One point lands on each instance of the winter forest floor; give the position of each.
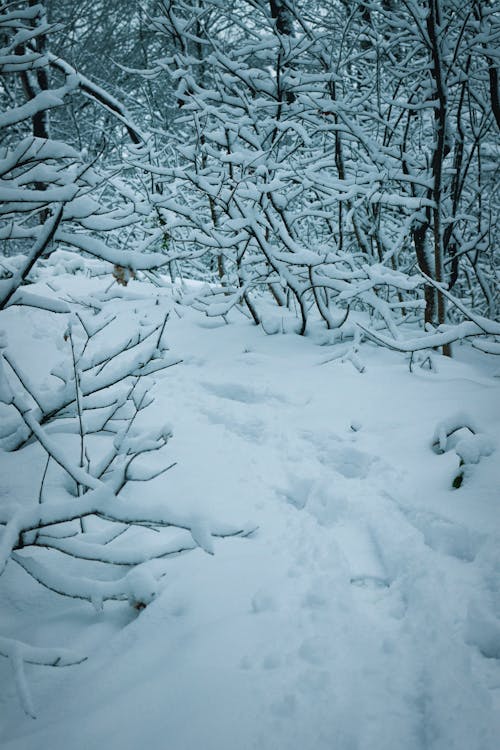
(362, 614)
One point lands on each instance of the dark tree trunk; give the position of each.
(283, 16)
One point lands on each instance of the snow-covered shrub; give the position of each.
(104, 445)
(461, 434)
(51, 194)
(285, 178)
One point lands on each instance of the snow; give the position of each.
(17, 663)
(362, 613)
(142, 587)
(471, 448)
(6, 395)
(22, 297)
(453, 423)
(39, 103)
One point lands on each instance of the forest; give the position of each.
(249, 339)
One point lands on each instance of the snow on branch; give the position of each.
(20, 653)
(50, 657)
(426, 340)
(92, 515)
(49, 193)
(461, 433)
(287, 178)
(101, 96)
(473, 326)
(41, 102)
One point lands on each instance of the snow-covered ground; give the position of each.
(363, 614)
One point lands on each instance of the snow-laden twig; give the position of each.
(49, 656)
(7, 290)
(426, 340)
(133, 554)
(20, 653)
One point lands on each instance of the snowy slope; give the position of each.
(364, 613)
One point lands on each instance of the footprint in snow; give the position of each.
(324, 500)
(252, 430)
(483, 629)
(240, 393)
(483, 615)
(346, 460)
(271, 661)
(447, 537)
(353, 537)
(360, 551)
(314, 651)
(285, 706)
(314, 600)
(262, 601)
(298, 492)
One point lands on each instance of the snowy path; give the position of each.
(365, 612)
